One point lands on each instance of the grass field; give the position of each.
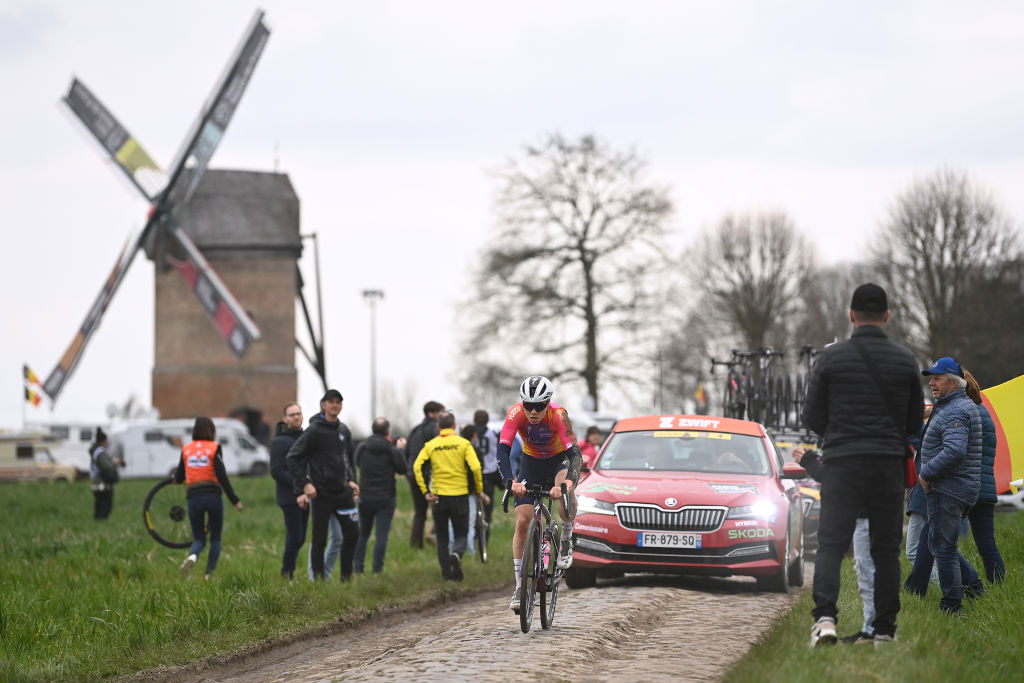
(982, 645)
(82, 600)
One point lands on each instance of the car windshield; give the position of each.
(682, 451)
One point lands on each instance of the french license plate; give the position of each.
(668, 540)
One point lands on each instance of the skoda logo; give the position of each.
(670, 502)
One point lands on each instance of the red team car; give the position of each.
(690, 494)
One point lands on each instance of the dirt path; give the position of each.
(635, 628)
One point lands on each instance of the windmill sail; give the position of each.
(58, 376)
(208, 129)
(124, 149)
(233, 324)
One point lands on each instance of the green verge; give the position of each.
(984, 644)
(84, 600)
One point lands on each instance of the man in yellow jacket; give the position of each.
(448, 490)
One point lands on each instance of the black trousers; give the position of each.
(103, 503)
(454, 509)
(852, 487)
(419, 514)
(323, 508)
(296, 521)
(491, 481)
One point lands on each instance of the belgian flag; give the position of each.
(33, 397)
(30, 377)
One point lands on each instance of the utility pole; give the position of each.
(372, 296)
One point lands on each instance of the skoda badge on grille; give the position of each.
(670, 502)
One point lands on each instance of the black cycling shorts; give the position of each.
(536, 471)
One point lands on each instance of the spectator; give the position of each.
(950, 475)
(418, 437)
(589, 444)
(864, 397)
(320, 469)
(917, 503)
(103, 475)
(296, 510)
(448, 455)
(468, 432)
(487, 451)
(378, 461)
(201, 467)
(863, 565)
(981, 514)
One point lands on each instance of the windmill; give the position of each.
(168, 193)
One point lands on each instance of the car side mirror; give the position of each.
(792, 470)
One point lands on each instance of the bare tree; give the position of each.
(572, 274)
(751, 270)
(943, 237)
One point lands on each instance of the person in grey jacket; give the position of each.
(378, 461)
(863, 452)
(950, 472)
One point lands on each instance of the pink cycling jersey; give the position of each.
(546, 439)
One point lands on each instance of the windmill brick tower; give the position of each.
(246, 224)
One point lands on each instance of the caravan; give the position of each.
(152, 449)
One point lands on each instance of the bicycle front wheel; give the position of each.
(482, 531)
(530, 570)
(165, 514)
(551, 580)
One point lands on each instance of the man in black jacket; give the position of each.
(318, 462)
(418, 437)
(378, 461)
(296, 516)
(864, 397)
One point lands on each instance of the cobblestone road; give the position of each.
(634, 628)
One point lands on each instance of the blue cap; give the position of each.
(943, 366)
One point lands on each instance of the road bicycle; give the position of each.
(765, 405)
(739, 379)
(165, 514)
(539, 570)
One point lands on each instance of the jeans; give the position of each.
(984, 533)
(925, 568)
(379, 512)
(296, 520)
(864, 566)
(419, 514)
(206, 514)
(852, 487)
(945, 515)
(914, 528)
(344, 534)
(456, 510)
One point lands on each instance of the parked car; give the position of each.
(152, 448)
(26, 457)
(810, 490)
(690, 494)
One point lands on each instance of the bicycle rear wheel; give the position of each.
(551, 580)
(531, 570)
(483, 530)
(165, 514)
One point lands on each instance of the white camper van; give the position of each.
(152, 449)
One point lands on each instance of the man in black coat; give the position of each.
(378, 461)
(296, 516)
(319, 465)
(418, 437)
(864, 397)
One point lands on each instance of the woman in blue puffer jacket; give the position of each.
(981, 514)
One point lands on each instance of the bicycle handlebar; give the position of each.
(537, 490)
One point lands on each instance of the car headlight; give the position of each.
(593, 506)
(762, 509)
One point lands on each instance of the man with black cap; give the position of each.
(864, 398)
(950, 473)
(320, 469)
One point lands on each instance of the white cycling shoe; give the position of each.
(565, 554)
(516, 599)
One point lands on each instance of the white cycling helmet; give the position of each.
(536, 389)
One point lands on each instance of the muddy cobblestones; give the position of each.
(635, 628)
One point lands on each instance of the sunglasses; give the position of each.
(534, 407)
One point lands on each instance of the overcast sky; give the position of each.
(388, 115)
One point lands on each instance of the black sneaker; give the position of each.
(455, 567)
(858, 638)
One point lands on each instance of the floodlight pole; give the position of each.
(372, 296)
